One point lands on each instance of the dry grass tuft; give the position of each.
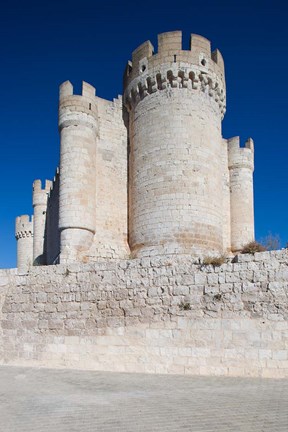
(216, 261)
(253, 247)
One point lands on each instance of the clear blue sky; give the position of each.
(46, 43)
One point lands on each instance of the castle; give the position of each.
(148, 173)
(147, 190)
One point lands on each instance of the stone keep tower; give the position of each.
(190, 191)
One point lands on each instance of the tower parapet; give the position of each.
(176, 101)
(241, 167)
(240, 157)
(78, 126)
(24, 237)
(40, 197)
(197, 69)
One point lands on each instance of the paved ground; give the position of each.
(65, 400)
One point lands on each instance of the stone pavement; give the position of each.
(46, 400)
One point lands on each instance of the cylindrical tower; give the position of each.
(241, 167)
(40, 197)
(78, 130)
(24, 237)
(176, 102)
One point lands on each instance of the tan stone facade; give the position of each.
(147, 174)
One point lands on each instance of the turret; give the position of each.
(175, 101)
(78, 126)
(39, 220)
(24, 237)
(241, 167)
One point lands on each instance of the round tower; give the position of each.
(176, 102)
(24, 237)
(40, 197)
(241, 167)
(78, 127)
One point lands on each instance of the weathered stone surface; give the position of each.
(160, 304)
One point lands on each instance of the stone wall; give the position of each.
(110, 239)
(164, 314)
(52, 235)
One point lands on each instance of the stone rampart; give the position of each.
(164, 314)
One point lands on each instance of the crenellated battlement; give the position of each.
(56, 177)
(37, 186)
(77, 108)
(169, 46)
(240, 157)
(66, 89)
(40, 195)
(23, 227)
(198, 69)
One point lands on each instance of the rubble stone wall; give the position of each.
(163, 314)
